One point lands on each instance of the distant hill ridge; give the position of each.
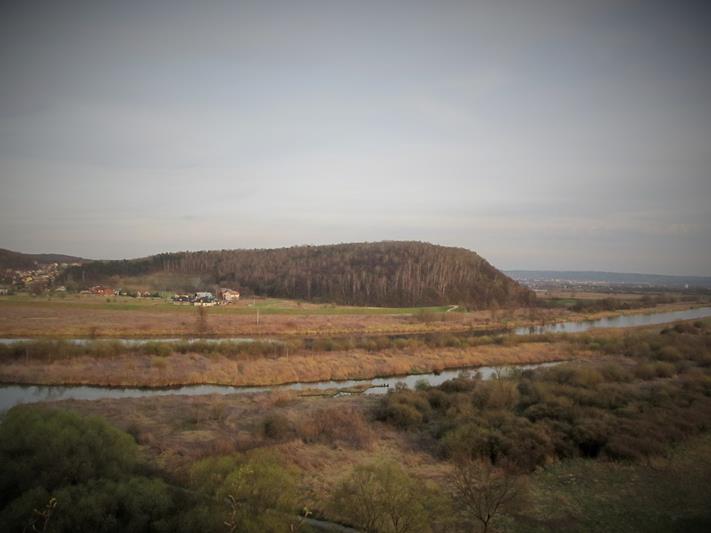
(389, 273)
(10, 259)
(660, 280)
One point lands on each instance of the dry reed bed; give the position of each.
(192, 369)
(36, 321)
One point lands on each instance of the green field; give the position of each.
(269, 306)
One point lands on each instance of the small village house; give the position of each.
(229, 295)
(102, 291)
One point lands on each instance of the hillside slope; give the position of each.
(10, 259)
(387, 273)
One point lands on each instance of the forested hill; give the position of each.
(378, 274)
(10, 259)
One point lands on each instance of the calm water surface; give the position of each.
(13, 394)
(623, 321)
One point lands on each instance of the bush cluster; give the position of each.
(62, 472)
(656, 396)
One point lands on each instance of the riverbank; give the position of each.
(196, 369)
(270, 363)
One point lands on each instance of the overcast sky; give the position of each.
(542, 134)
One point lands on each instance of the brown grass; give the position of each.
(336, 425)
(25, 320)
(191, 369)
(175, 431)
(87, 316)
(59, 319)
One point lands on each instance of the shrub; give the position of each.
(616, 373)
(502, 394)
(87, 468)
(253, 492)
(382, 497)
(422, 385)
(406, 408)
(581, 377)
(276, 426)
(645, 371)
(437, 399)
(614, 410)
(403, 415)
(591, 435)
(664, 370)
(48, 448)
(669, 353)
(336, 425)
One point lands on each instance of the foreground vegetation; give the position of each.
(632, 409)
(62, 472)
(618, 443)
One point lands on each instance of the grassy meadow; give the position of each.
(89, 316)
(248, 306)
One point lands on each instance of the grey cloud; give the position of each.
(548, 134)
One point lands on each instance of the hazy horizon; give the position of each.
(544, 135)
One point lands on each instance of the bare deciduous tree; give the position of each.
(483, 491)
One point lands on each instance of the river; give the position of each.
(14, 394)
(621, 321)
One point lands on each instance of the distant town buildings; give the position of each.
(39, 277)
(207, 299)
(42, 278)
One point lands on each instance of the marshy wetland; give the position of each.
(498, 400)
(41, 352)
(622, 426)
